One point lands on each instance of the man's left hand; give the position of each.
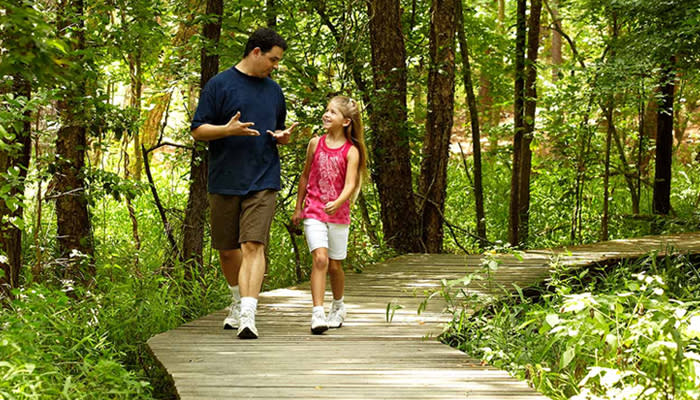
(283, 136)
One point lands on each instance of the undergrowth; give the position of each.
(624, 331)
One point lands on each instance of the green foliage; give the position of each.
(33, 50)
(53, 346)
(65, 343)
(552, 202)
(625, 331)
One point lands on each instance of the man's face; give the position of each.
(265, 63)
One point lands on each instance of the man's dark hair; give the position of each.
(266, 39)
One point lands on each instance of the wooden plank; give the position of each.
(370, 358)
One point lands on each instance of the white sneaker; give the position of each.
(246, 328)
(318, 322)
(234, 316)
(336, 316)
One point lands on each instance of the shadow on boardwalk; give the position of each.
(368, 358)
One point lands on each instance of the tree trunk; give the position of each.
(391, 155)
(664, 143)
(197, 204)
(136, 86)
(556, 41)
(135, 92)
(641, 145)
(436, 145)
(37, 268)
(533, 43)
(627, 174)
(606, 176)
(488, 111)
(518, 125)
(476, 134)
(18, 161)
(72, 216)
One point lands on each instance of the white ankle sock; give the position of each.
(249, 303)
(318, 309)
(339, 302)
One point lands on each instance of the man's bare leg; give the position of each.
(252, 269)
(231, 265)
(250, 280)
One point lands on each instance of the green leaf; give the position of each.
(552, 319)
(567, 357)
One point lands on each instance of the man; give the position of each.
(241, 113)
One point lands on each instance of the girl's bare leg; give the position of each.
(337, 275)
(319, 270)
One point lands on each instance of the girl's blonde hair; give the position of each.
(355, 133)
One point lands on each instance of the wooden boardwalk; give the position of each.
(368, 358)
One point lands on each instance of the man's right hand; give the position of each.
(234, 127)
(237, 128)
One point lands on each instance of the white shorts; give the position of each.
(333, 237)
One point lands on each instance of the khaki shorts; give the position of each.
(239, 219)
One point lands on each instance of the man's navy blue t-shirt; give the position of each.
(239, 165)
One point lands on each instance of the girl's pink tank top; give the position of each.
(326, 182)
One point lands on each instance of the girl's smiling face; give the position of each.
(333, 118)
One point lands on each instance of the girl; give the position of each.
(335, 164)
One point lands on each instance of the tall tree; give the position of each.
(664, 142)
(197, 205)
(391, 155)
(436, 145)
(518, 124)
(14, 161)
(476, 133)
(15, 138)
(73, 218)
(533, 44)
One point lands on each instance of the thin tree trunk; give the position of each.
(476, 134)
(175, 251)
(369, 226)
(519, 125)
(136, 86)
(391, 155)
(664, 143)
(533, 43)
(680, 124)
(436, 145)
(72, 216)
(609, 114)
(136, 81)
(606, 176)
(634, 194)
(197, 204)
(15, 161)
(640, 150)
(130, 208)
(38, 254)
(490, 113)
